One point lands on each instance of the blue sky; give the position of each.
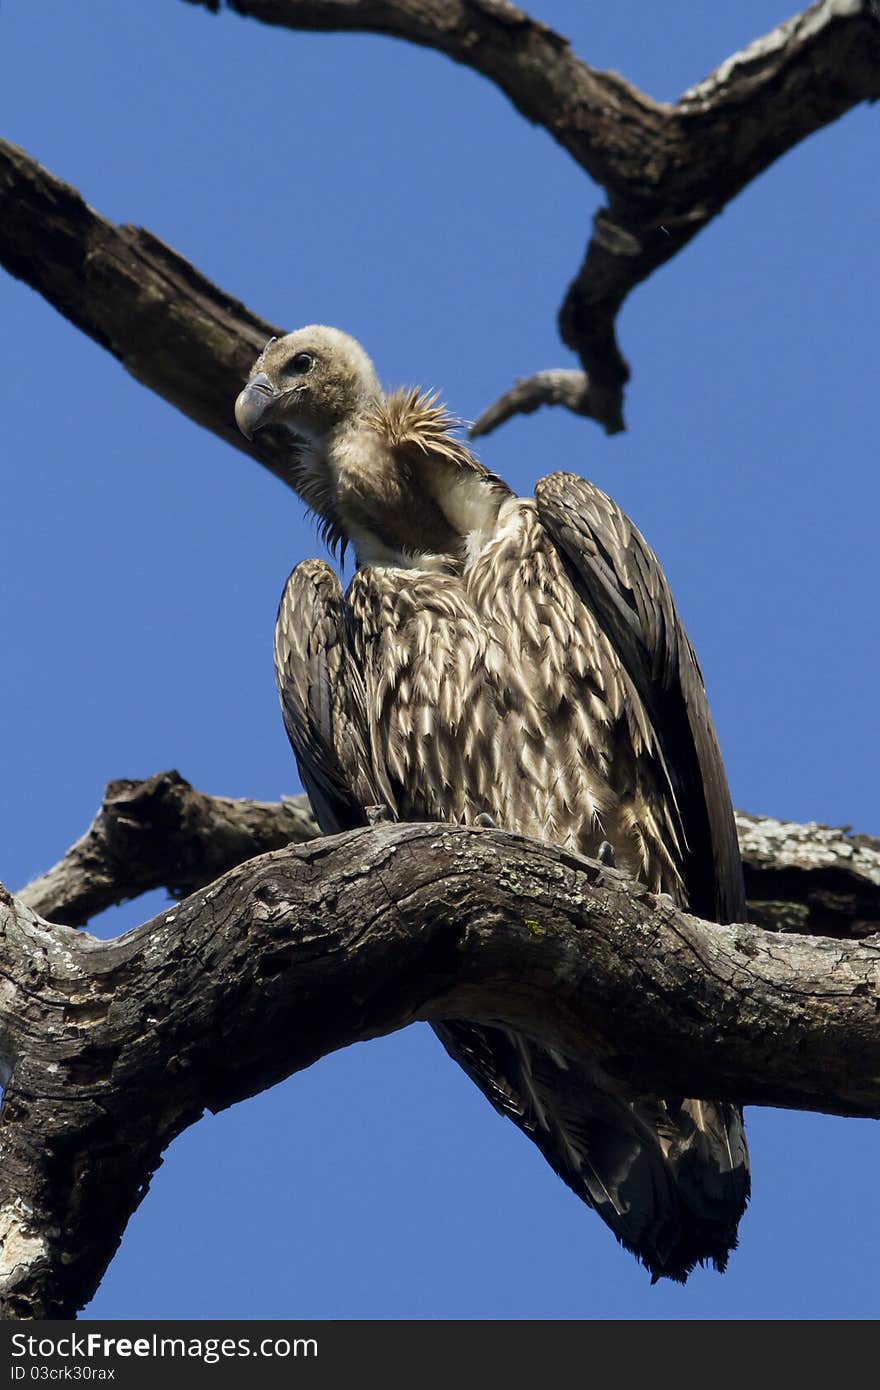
(365, 183)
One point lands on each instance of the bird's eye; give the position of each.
(302, 363)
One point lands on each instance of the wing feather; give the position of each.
(619, 578)
(669, 1177)
(322, 697)
(601, 1146)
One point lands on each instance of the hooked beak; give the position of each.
(253, 404)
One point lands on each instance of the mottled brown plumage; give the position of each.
(519, 659)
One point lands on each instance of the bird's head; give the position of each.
(309, 383)
(381, 472)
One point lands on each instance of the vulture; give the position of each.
(516, 662)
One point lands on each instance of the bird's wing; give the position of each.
(617, 576)
(610, 1154)
(669, 1176)
(322, 698)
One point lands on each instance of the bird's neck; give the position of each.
(396, 514)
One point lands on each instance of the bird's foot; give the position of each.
(378, 815)
(484, 821)
(605, 855)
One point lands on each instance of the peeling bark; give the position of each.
(115, 1047)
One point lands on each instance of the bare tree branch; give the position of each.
(810, 878)
(556, 386)
(667, 170)
(718, 137)
(162, 833)
(169, 326)
(109, 1049)
(596, 116)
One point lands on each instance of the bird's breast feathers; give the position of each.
(495, 692)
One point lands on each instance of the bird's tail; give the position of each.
(670, 1177)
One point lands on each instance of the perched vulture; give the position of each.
(521, 660)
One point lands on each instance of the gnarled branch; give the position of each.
(168, 325)
(162, 833)
(810, 878)
(110, 1049)
(598, 117)
(668, 170)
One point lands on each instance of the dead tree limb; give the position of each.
(810, 878)
(162, 833)
(168, 325)
(668, 170)
(558, 386)
(110, 1049)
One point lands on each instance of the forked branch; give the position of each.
(667, 170)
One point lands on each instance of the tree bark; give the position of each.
(810, 878)
(162, 833)
(110, 1049)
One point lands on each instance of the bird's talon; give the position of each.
(606, 855)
